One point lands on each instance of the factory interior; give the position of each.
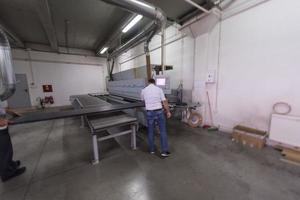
(86, 86)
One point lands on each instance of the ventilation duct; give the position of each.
(140, 37)
(7, 76)
(140, 7)
(147, 10)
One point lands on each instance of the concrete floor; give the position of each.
(203, 165)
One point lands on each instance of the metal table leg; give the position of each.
(82, 122)
(96, 150)
(133, 137)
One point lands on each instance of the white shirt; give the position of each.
(153, 97)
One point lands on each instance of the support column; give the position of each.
(96, 150)
(133, 137)
(82, 122)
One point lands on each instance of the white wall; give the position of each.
(180, 54)
(69, 74)
(258, 64)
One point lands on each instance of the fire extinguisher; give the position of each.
(49, 100)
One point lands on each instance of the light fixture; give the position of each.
(103, 50)
(142, 4)
(133, 22)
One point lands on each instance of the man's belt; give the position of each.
(155, 110)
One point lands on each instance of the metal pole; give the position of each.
(163, 47)
(148, 65)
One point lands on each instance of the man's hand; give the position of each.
(3, 122)
(169, 114)
(167, 109)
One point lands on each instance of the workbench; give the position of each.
(104, 122)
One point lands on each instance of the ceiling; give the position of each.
(83, 24)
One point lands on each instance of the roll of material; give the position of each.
(278, 105)
(195, 120)
(7, 75)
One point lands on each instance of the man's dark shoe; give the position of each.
(16, 163)
(17, 172)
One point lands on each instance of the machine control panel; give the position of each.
(164, 83)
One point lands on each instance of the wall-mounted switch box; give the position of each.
(211, 76)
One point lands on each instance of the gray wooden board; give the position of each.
(43, 116)
(103, 122)
(90, 101)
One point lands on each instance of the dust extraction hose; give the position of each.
(7, 76)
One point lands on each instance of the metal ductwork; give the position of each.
(7, 76)
(140, 7)
(115, 35)
(140, 37)
(147, 10)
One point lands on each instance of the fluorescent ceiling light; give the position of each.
(103, 50)
(142, 4)
(133, 22)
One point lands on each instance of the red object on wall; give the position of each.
(47, 88)
(49, 100)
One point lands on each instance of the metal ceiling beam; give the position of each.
(197, 6)
(188, 15)
(45, 16)
(16, 39)
(207, 4)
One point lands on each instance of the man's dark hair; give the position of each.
(151, 80)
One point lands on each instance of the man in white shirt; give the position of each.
(8, 167)
(155, 100)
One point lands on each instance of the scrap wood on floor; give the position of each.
(289, 154)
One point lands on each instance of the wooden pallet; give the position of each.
(291, 154)
(290, 162)
(280, 146)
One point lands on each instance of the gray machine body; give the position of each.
(127, 86)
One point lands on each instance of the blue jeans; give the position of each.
(159, 117)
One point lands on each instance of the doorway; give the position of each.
(21, 98)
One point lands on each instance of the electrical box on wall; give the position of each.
(211, 76)
(47, 88)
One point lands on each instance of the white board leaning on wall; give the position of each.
(285, 129)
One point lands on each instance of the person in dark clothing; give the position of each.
(8, 167)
